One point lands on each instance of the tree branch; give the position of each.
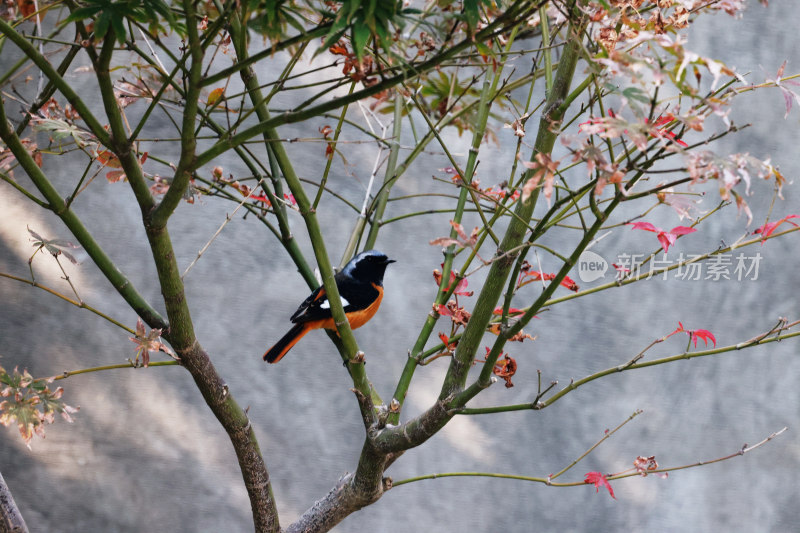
(499, 25)
(11, 520)
(114, 275)
(52, 74)
(501, 266)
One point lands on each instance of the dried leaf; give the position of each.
(215, 95)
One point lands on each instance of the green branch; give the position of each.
(119, 143)
(498, 26)
(114, 275)
(764, 338)
(501, 266)
(187, 162)
(52, 74)
(611, 477)
(81, 304)
(69, 373)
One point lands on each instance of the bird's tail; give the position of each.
(281, 347)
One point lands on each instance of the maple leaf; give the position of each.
(520, 336)
(681, 203)
(767, 229)
(461, 286)
(612, 126)
(518, 125)
(215, 95)
(500, 193)
(666, 238)
(449, 345)
(56, 247)
(599, 480)
(544, 170)
(660, 132)
(329, 147)
(147, 342)
(535, 275)
(457, 314)
(703, 334)
(463, 241)
(505, 369)
(511, 311)
(644, 465)
(695, 334)
(109, 159)
(30, 403)
(788, 95)
(59, 130)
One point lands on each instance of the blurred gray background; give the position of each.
(145, 453)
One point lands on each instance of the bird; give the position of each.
(360, 285)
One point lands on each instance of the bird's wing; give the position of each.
(309, 309)
(317, 307)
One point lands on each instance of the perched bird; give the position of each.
(360, 285)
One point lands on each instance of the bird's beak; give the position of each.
(390, 261)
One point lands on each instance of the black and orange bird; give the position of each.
(360, 285)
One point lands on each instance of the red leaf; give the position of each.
(449, 345)
(260, 198)
(505, 369)
(568, 283)
(535, 275)
(443, 310)
(599, 480)
(767, 229)
(460, 287)
(702, 334)
(695, 334)
(511, 311)
(666, 238)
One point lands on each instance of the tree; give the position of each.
(614, 81)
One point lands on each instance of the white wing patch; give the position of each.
(327, 305)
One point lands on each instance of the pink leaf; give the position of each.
(665, 238)
(646, 226)
(682, 230)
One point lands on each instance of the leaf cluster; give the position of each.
(30, 403)
(107, 15)
(363, 20)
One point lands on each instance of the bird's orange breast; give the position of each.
(362, 316)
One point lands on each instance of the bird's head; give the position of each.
(368, 266)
